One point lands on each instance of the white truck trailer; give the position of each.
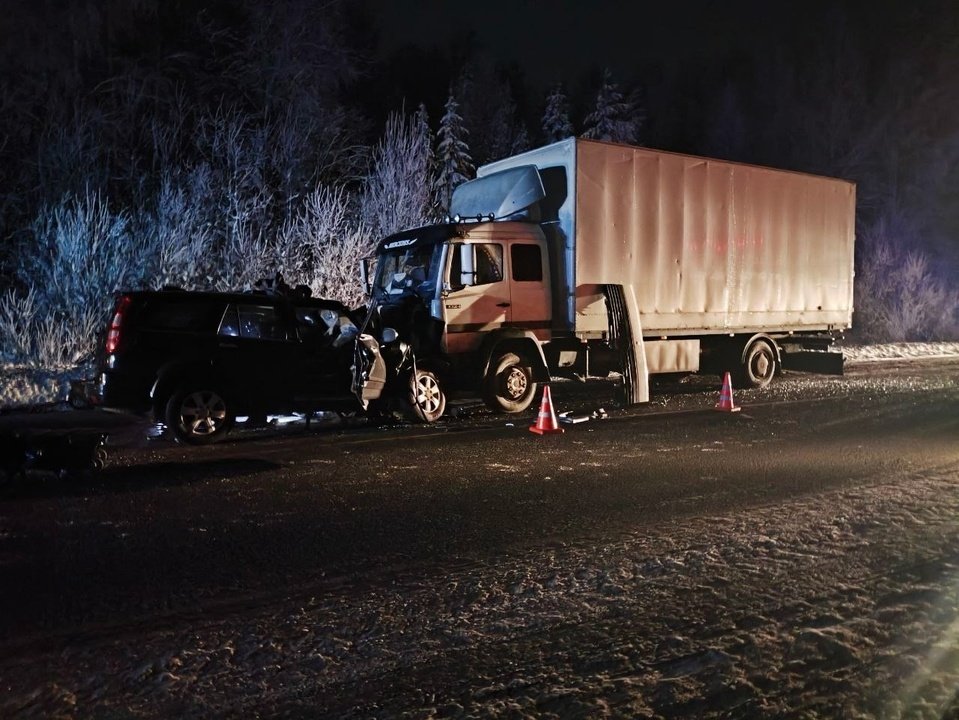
(584, 257)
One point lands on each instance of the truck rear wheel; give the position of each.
(509, 386)
(759, 365)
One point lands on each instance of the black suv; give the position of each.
(199, 360)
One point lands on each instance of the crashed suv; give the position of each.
(198, 360)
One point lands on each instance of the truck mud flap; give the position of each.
(824, 363)
(631, 351)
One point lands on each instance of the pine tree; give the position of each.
(615, 118)
(422, 121)
(520, 141)
(556, 124)
(453, 155)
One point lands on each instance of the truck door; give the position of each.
(530, 297)
(474, 310)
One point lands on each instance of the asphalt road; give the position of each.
(166, 534)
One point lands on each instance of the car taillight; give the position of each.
(113, 334)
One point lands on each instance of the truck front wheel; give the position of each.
(759, 365)
(509, 386)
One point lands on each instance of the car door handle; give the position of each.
(502, 304)
(229, 345)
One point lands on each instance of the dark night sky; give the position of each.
(555, 41)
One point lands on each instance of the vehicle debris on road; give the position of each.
(569, 418)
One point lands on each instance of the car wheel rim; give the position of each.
(202, 413)
(428, 393)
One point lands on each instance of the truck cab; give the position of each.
(466, 296)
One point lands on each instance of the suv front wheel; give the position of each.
(198, 415)
(425, 397)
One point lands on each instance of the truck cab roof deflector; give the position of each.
(500, 194)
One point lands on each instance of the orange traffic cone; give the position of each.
(546, 423)
(726, 403)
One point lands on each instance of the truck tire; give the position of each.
(509, 385)
(425, 398)
(198, 414)
(759, 365)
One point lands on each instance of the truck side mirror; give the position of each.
(467, 271)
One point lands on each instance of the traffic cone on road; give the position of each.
(546, 423)
(726, 403)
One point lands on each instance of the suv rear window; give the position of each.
(170, 314)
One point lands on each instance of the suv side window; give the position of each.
(254, 322)
(313, 323)
(230, 324)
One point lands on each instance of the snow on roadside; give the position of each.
(29, 386)
(895, 351)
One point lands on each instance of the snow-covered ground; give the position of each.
(839, 605)
(25, 386)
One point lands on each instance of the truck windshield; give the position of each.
(408, 270)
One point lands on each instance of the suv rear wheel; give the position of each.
(198, 415)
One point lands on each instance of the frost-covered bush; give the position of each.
(17, 327)
(898, 297)
(232, 216)
(336, 266)
(238, 217)
(79, 253)
(179, 233)
(398, 190)
(30, 335)
(323, 245)
(232, 198)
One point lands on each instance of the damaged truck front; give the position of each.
(582, 258)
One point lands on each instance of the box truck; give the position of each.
(583, 258)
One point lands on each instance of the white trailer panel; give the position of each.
(708, 246)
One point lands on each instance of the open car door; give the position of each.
(369, 370)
